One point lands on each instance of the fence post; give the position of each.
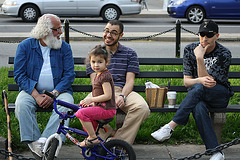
(178, 38)
(66, 30)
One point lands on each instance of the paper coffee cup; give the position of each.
(171, 95)
(171, 106)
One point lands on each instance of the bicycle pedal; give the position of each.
(88, 153)
(90, 146)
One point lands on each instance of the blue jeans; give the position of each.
(197, 101)
(26, 115)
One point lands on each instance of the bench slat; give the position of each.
(137, 88)
(147, 74)
(142, 74)
(145, 61)
(88, 88)
(11, 108)
(160, 61)
(230, 108)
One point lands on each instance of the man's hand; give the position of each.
(207, 81)
(200, 51)
(120, 102)
(43, 100)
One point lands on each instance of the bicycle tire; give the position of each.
(51, 149)
(120, 148)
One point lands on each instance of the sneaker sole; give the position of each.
(160, 140)
(35, 153)
(36, 156)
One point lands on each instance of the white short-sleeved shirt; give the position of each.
(45, 81)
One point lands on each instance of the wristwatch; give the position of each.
(124, 97)
(55, 93)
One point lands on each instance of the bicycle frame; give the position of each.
(63, 129)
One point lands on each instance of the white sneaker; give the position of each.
(217, 156)
(163, 133)
(36, 147)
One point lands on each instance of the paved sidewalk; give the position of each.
(153, 152)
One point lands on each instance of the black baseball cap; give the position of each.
(208, 26)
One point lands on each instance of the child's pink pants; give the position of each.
(91, 114)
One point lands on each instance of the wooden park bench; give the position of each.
(218, 115)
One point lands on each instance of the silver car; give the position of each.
(30, 10)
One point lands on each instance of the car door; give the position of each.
(60, 7)
(89, 7)
(225, 8)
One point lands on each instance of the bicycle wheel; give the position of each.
(51, 149)
(121, 149)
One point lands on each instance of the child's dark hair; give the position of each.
(99, 50)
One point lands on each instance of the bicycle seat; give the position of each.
(104, 121)
(101, 123)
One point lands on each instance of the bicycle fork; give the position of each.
(58, 137)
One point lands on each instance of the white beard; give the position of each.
(53, 42)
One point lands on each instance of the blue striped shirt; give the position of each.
(122, 61)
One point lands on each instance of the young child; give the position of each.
(102, 103)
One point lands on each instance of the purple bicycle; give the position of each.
(111, 150)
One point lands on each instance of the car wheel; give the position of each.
(110, 12)
(195, 14)
(29, 13)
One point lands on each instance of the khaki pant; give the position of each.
(137, 110)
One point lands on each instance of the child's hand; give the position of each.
(80, 104)
(86, 102)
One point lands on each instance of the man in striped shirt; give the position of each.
(123, 67)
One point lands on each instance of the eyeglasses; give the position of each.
(208, 34)
(57, 29)
(112, 33)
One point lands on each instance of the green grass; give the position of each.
(182, 134)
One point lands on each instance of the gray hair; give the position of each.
(43, 26)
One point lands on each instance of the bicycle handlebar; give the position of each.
(48, 93)
(62, 103)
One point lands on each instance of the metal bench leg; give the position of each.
(218, 120)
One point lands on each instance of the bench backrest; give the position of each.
(143, 74)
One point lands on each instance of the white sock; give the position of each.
(42, 139)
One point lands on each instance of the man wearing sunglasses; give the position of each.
(205, 68)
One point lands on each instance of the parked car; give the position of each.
(197, 10)
(30, 10)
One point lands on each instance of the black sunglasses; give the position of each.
(208, 34)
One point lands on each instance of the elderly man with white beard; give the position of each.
(42, 62)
